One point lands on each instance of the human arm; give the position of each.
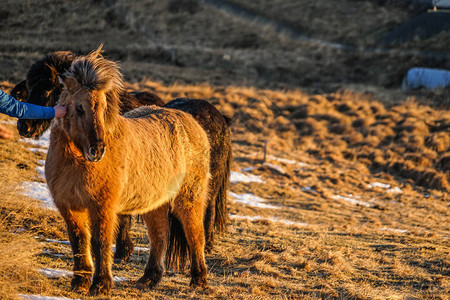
(22, 110)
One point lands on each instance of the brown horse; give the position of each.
(150, 161)
(41, 87)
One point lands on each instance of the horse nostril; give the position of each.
(92, 151)
(96, 152)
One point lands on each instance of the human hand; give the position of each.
(6, 133)
(60, 111)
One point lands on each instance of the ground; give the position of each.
(340, 182)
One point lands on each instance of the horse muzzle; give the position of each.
(24, 128)
(95, 153)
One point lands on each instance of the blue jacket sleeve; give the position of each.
(22, 110)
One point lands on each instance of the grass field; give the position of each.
(352, 200)
(323, 217)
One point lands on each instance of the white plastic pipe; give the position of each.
(426, 78)
(441, 3)
(437, 3)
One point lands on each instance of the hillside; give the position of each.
(339, 209)
(322, 46)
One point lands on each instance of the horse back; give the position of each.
(169, 142)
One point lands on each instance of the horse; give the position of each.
(150, 161)
(42, 87)
(217, 128)
(42, 80)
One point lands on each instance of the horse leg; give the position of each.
(210, 215)
(191, 217)
(158, 232)
(102, 223)
(124, 244)
(78, 230)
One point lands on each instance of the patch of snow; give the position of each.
(141, 248)
(41, 168)
(57, 241)
(39, 297)
(351, 200)
(387, 187)
(9, 122)
(379, 184)
(136, 248)
(56, 273)
(251, 200)
(248, 169)
(119, 279)
(394, 229)
(275, 167)
(38, 191)
(272, 219)
(309, 189)
(42, 142)
(240, 177)
(287, 161)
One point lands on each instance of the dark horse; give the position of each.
(42, 88)
(150, 161)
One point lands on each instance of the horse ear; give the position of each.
(70, 83)
(20, 91)
(98, 52)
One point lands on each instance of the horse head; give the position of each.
(92, 86)
(41, 88)
(84, 122)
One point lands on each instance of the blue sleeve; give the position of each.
(22, 110)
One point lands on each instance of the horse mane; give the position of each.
(95, 72)
(49, 67)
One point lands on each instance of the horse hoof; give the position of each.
(148, 282)
(101, 287)
(199, 282)
(80, 283)
(123, 251)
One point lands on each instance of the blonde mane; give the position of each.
(95, 72)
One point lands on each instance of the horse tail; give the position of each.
(177, 249)
(221, 218)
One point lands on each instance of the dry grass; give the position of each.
(316, 244)
(19, 219)
(334, 234)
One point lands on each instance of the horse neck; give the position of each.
(115, 128)
(62, 145)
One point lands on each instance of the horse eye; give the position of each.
(80, 110)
